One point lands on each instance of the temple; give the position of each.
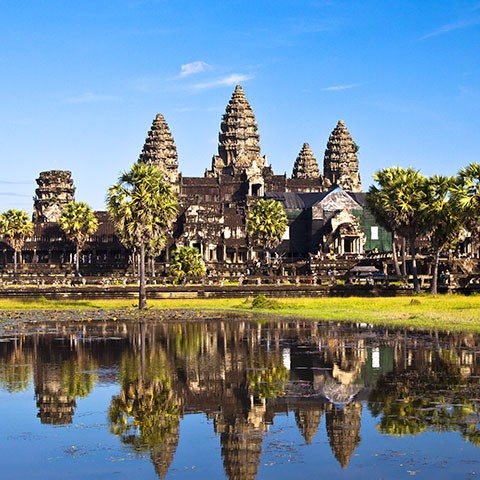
(326, 210)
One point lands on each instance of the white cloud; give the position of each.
(193, 68)
(450, 27)
(90, 97)
(228, 81)
(338, 88)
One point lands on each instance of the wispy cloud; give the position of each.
(14, 194)
(339, 88)
(228, 81)
(193, 68)
(90, 97)
(451, 27)
(15, 182)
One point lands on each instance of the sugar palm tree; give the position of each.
(78, 221)
(410, 193)
(381, 201)
(466, 198)
(266, 223)
(143, 208)
(443, 223)
(15, 228)
(400, 207)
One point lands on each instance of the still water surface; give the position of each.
(238, 400)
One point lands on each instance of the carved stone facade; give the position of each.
(55, 190)
(239, 141)
(306, 165)
(326, 212)
(340, 164)
(159, 149)
(214, 208)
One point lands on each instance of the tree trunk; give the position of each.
(134, 263)
(77, 262)
(15, 262)
(142, 293)
(416, 283)
(434, 281)
(404, 257)
(396, 266)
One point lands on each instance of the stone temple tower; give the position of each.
(55, 190)
(340, 164)
(239, 141)
(306, 165)
(159, 149)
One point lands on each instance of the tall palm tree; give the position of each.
(466, 198)
(266, 223)
(15, 228)
(443, 223)
(78, 222)
(381, 201)
(143, 208)
(398, 205)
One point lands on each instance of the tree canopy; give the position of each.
(143, 208)
(78, 221)
(266, 223)
(15, 228)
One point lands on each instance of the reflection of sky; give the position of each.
(86, 449)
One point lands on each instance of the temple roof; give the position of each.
(306, 165)
(159, 149)
(239, 141)
(340, 164)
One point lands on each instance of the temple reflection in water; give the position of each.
(242, 374)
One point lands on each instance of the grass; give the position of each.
(448, 312)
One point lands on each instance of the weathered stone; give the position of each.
(239, 141)
(55, 190)
(159, 149)
(306, 165)
(340, 165)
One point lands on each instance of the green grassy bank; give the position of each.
(449, 312)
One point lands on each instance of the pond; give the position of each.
(237, 399)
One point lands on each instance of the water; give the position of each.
(238, 400)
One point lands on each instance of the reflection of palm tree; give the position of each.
(146, 414)
(267, 375)
(78, 377)
(15, 372)
(434, 396)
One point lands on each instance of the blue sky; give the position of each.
(81, 82)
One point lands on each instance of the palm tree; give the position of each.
(382, 203)
(15, 228)
(443, 224)
(400, 207)
(78, 222)
(466, 198)
(187, 262)
(267, 223)
(143, 208)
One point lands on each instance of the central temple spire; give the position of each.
(239, 141)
